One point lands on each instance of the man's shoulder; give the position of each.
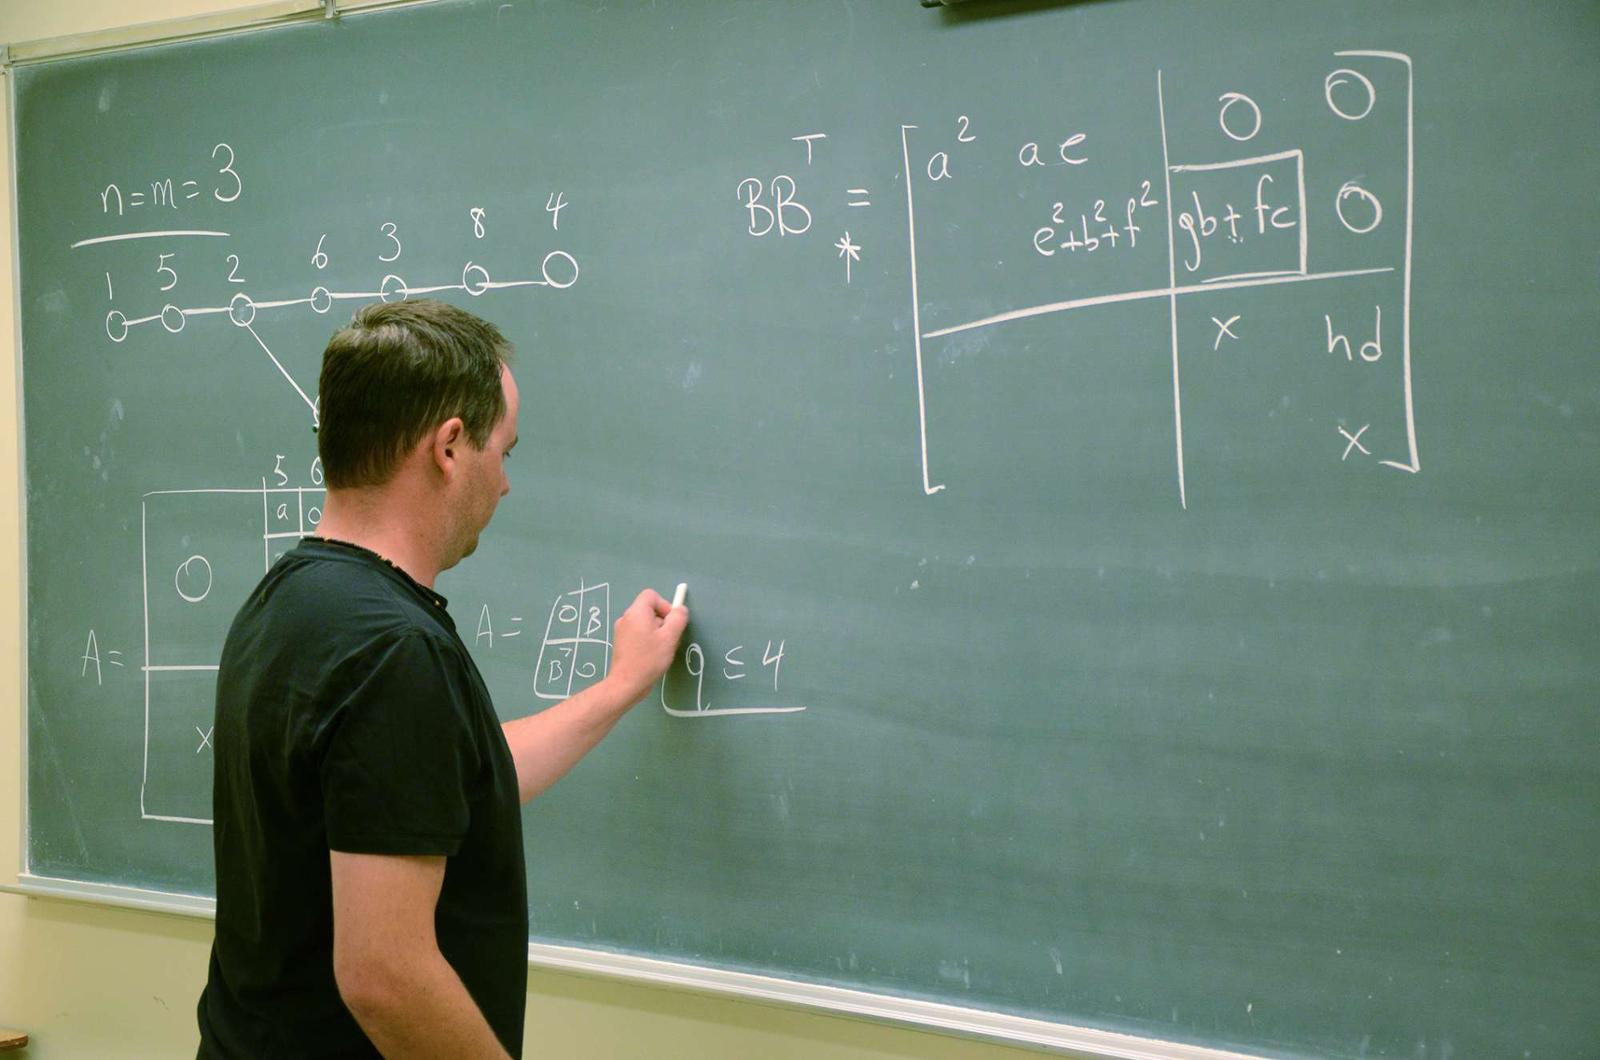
(335, 584)
(318, 632)
(321, 606)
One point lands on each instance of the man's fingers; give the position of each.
(660, 609)
(647, 637)
(651, 601)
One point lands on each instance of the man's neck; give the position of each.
(383, 522)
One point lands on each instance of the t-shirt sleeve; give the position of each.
(398, 768)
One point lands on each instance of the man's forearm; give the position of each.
(547, 744)
(420, 1010)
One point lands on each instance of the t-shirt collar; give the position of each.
(353, 549)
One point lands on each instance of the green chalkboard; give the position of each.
(1156, 444)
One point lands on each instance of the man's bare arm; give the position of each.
(547, 744)
(386, 960)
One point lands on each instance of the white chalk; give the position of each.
(677, 597)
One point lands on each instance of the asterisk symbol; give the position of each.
(850, 252)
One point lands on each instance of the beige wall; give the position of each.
(88, 981)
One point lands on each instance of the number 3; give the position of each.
(238, 185)
(388, 229)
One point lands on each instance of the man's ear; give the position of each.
(448, 438)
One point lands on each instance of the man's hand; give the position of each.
(645, 643)
(546, 745)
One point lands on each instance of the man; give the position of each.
(370, 882)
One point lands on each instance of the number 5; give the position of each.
(162, 266)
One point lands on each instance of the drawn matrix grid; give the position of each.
(192, 579)
(1174, 290)
(576, 652)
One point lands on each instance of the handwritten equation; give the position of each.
(575, 653)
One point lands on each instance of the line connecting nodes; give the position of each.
(242, 309)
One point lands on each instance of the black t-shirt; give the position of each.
(350, 717)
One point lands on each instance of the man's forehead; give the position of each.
(513, 401)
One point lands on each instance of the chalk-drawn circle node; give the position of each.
(387, 290)
(1341, 77)
(176, 314)
(195, 575)
(466, 281)
(242, 310)
(1228, 100)
(121, 321)
(544, 269)
(325, 295)
(1350, 189)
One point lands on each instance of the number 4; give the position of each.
(774, 661)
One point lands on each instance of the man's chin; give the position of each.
(468, 549)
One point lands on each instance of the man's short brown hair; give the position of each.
(398, 371)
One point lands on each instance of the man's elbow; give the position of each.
(374, 990)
